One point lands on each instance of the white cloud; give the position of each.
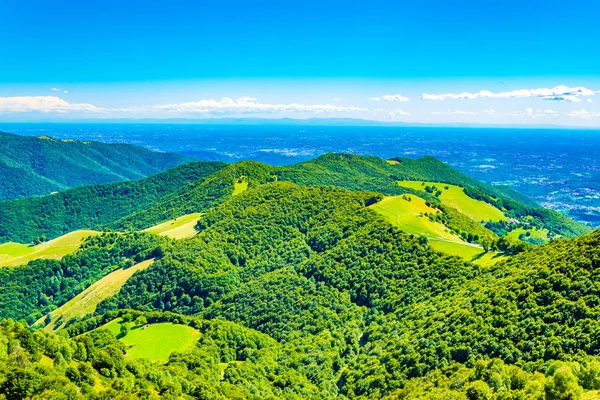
(561, 92)
(44, 104)
(527, 112)
(590, 100)
(337, 99)
(584, 114)
(394, 97)
(245, 105)
(390, 97)
(59, 90)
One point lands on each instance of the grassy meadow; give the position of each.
(240, 186)
(86, 302)
(157, 341)
(467, 252)
(454, 196)
(12, 254)
(407, 213)
(179, 228)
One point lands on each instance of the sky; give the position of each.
(534, 62)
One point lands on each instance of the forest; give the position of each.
(299, 289)
(36, 166)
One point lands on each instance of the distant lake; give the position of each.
(558, 168)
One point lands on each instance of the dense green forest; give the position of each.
(298, 289)
(36, 166)
(305, 292)
(94, 206)
(197, 187)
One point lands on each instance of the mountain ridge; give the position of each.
(35, 166)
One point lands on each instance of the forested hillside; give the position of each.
(133, 205)
(36, 166)
(94, 206)
(305, 292)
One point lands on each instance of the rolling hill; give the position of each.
(324, 279)
(196, 187)
(36, 166)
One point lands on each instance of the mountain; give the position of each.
(36, 166)
(332, 278)
(94, 206)
(196, 187)
(304, 292)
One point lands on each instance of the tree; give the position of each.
(124, 330)
(563, 385)
(140, 321)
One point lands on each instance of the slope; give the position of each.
(12, 254)
(454, 196)
(93, 207)
(35, 166)
(178, 228)
(85, 302)
(75, 210)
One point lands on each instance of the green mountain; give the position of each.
(36, 166)
(197, 187)
(93, 206)
(323, 279)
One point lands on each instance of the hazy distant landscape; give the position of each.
(558, 168)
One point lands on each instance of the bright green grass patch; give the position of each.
(240, 186)
(454, 196)
(179, 228)
(113, 326)
(407, 213)
(157, 342)
(467, 252)
(12, 254)
(534, 233)
(86, 302)
(393, 162)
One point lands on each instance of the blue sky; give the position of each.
(197, 59)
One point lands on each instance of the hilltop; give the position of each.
(196, 187)
(36, 166)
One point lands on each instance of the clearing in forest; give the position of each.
(155, 342)
(454, 196)
(12, 254)
(86, 302)
(178, 228)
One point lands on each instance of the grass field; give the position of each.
(157, 341)
(87, 301)
(178, 228)
(535, 233)
(408, 216)
(467, 252)
(12, 254)
(240, 185)
(455, 197)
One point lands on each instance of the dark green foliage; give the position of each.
(32, 166)
(198, 196)
(93, 207)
